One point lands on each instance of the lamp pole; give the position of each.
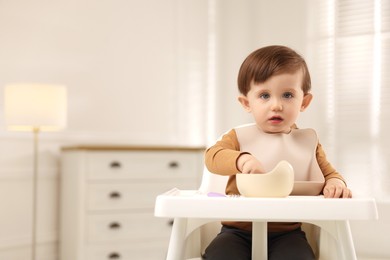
(34, 195)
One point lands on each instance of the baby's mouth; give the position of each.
(276, 119)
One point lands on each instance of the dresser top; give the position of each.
(131, 148)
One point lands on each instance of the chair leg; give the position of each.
(341, 232)
(259, 241)
(345, 239)
(177, 239)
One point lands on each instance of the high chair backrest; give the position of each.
(213, 182)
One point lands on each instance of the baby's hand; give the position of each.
(247, 163)
(335, 188)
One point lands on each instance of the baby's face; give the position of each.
(275, 104)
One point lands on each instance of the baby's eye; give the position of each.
(264, 96)
(288, 95)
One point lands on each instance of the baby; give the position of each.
(274, 84)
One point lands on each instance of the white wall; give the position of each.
(135, 72)
(126, 63)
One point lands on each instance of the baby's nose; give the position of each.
(276, 105)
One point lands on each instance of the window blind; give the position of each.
(350, 51)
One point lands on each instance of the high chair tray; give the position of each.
(177, 203)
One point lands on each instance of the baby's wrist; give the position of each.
(242, 159)
(336, 180)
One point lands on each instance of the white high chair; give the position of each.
(197, 219)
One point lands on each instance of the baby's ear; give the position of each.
(306, 101)
(244, 102)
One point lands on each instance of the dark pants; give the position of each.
(235, 244)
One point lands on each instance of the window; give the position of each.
(350, 54)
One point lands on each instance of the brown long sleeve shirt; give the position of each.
(221, 159)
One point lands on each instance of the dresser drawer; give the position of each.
(130, 195)
(142, 165)
(151, 250)
(132, 227)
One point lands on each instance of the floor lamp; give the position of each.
(35, 108)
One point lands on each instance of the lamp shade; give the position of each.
(35, 106)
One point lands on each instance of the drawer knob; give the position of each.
(115, 195)
(114, 256)
(115, 165)
(115, 225)
(173, 165)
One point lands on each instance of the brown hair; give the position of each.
(269, 61)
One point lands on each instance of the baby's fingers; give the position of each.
(337, 192)
(347, 193)
(330, 191)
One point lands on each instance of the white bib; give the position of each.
(297, 147)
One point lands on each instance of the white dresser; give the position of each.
(108, 196)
